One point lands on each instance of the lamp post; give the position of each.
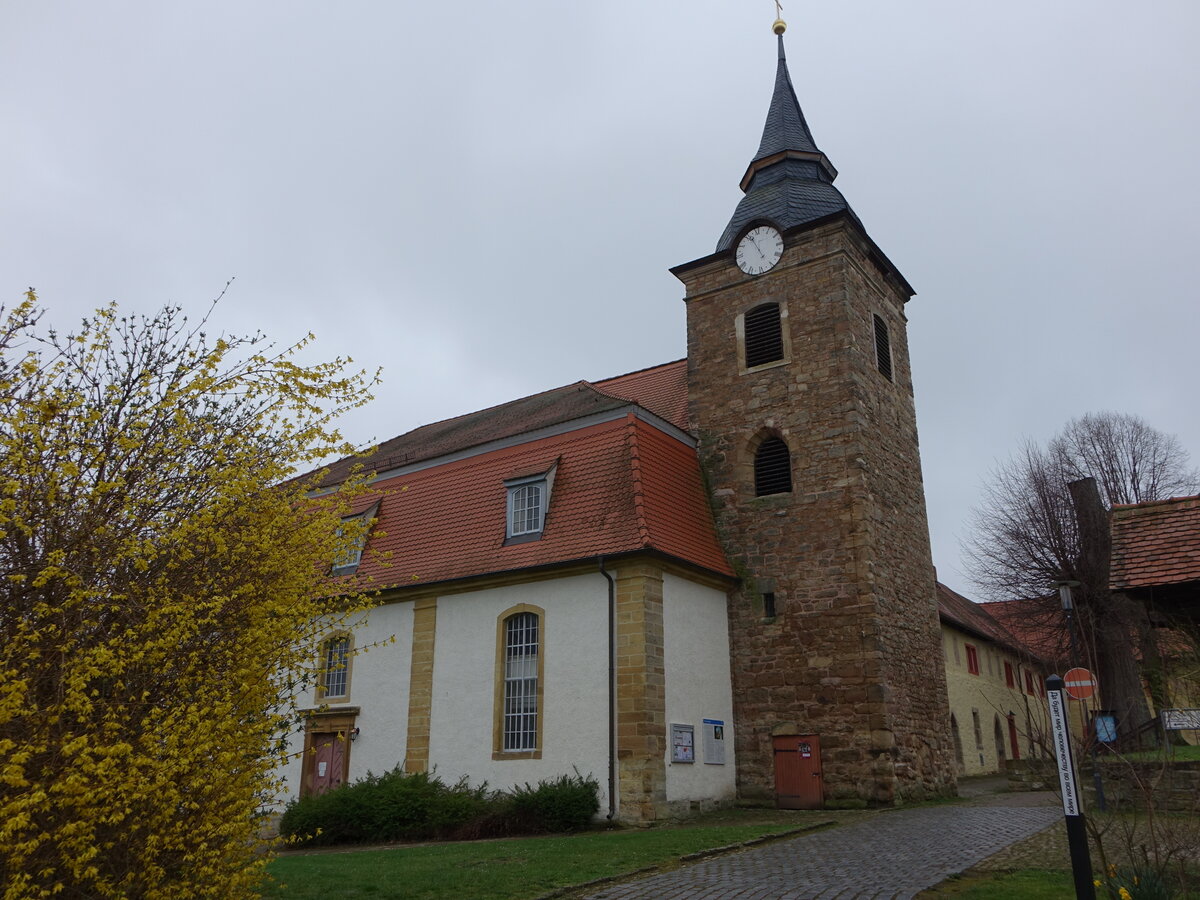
(1068, 605)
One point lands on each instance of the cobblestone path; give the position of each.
(895, 854)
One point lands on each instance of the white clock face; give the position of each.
(759, 250)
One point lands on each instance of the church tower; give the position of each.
(800, 393)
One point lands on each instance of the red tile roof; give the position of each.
(660, 389)
(621, 486)
(1037, 623)
(972, 617)
(1155, 543)
(497, 423)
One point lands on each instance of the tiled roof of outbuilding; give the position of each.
(1037, 623)
(621, 486)
(1155, 543)
(972, 617)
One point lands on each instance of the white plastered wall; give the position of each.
(575, 690)
(698, 687)
(379, 680)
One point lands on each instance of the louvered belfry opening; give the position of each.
(764, 336)
(772, 468)
(883, 348)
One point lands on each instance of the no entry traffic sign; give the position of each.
(1079, 683)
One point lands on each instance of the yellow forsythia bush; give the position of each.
(161, 579)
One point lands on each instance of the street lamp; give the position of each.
(1064, 586)
(1068, 605)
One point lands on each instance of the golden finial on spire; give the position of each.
(780, 26)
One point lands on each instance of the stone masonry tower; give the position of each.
(801, 395)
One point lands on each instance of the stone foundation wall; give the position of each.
(1026, 775)
(1174, 787)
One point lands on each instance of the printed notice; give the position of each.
(683, 743)
(714, 742)
(1062, 752)
(1180, 719)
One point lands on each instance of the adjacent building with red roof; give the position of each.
(1156, 563)
(995, 683)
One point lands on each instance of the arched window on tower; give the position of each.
(764, 335)
(772, 468)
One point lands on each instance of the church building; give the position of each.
(704, 581)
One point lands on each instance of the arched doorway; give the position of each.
(958, 750)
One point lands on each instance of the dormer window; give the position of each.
(528, 500)
(353, 532)
(525, 510)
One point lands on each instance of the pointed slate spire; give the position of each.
(785, 128)
(790, 181)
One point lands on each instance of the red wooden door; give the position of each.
(798, 782)
(1012, 737)
(328, 761)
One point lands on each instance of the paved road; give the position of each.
(895, 854)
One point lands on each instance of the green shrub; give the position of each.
(565, 804)
(397, 806)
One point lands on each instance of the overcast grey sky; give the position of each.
(484, 198)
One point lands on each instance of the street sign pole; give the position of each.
(1081, 860)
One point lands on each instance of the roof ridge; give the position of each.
(635, 467)
(672, 362)
(1003, 635)
(1146, 504)
(476, 412)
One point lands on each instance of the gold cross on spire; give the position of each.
(780, 26)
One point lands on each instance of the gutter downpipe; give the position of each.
(612, 699)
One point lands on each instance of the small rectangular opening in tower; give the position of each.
(769, 604)
(883, 348)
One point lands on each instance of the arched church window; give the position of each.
(333, 676)
(883, 348)
(519, 683)
(764, 335)
(772, 468)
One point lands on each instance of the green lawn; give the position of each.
(504, 869)
(1180, 753)
(1028, 884)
